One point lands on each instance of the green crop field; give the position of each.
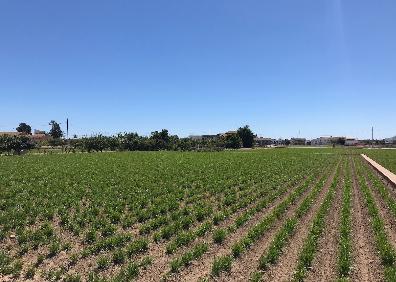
(188, 216)
(385, 157)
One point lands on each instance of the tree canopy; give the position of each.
(24, 128)
(56, 131)
(247, 136)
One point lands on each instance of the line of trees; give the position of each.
(158, 140)
(15, 144)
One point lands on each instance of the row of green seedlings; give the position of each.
(272, 254)
(107, 228)
(224, 263)
(386, 252)
(220, 234)
(119, 256)
(127, 272)
(116, 241)
(110, 241)
(383, 191)
(180, 221)
(308, 252)
(197, 251)
(231, 204)
(140, 212)
(345, 242)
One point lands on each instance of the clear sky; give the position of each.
(286, 68)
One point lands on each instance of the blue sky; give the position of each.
(286, 68)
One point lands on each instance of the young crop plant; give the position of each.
(127, 273)
(103, 262)
(188, 257)
(118, 257)
(136, 247)
(345, 243)
(308, 251)
(219, 235)
(221, 264)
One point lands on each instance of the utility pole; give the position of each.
(372, 136)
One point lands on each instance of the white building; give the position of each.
(321, 141)
(391, 140)
(351, 141)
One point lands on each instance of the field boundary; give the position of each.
(389, 176)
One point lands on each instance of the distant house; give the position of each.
(326, 140)
(203, 137)
(36, 131)
(210, 137)
(391, 140)
(351, 141)
(298, 141)
(195, 137)
(40, 137)
(228, 133)
(263, 141)
(323, 140)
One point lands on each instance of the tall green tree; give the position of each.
(232, 141)
(246, 135)
(56, 131)
(24, 128)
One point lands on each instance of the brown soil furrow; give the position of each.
(283, 270)
(366, 265)
(162, 260)
(324, 265)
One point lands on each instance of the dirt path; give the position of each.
(202, 268)
(162, 260)
(283, 270)
(366, 264)
(324, 265)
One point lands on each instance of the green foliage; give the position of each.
(118, 256)
(127, 273)
(30, 272)
(104, 198)
(24, 128)
(232, 141)
(247, 136)
(103, 262)
(277, 244)
(219, 235)
(307, 254)
(90, 236)
(345, 243)
(15, 144)
(188, 257)
(55, 131)
(221, 264)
